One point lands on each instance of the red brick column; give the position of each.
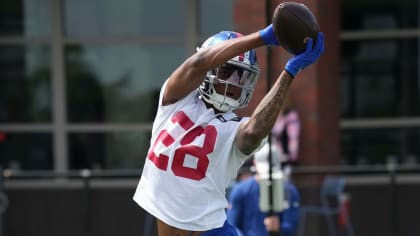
(315, 92)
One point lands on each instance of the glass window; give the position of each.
(379, 15)
(377, 146)
(122, 150)
(117, 83)
(212, 23)
(380, 78)
(124, 17)
(26, 151)
(25, 84)
(29, 18)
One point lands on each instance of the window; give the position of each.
(25, 84)
(377, 81)
(139, 18)
(25, 18)
(117, 150)
(26, 150)
(380, 87)
(79, 81)
(117, 83)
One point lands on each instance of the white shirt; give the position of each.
(191, 161)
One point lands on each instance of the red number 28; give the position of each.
(186, 148)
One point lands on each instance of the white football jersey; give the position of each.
(191, 160)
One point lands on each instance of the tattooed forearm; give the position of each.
(266, 113)
(270, 106)
(263, 118)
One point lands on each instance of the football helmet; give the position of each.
(241, 71)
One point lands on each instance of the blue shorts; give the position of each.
(225, 230)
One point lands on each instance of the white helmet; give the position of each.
(241, 71)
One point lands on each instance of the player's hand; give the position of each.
(306, 58)
(268, 35)
(272, 223)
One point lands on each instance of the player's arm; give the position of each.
(252, 132)
(191, 73)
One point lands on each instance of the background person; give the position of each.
(244, 211)
(285, 135)
(286, 132)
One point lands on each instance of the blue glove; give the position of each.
(309, 56)
(268, 35)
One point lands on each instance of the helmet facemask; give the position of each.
(229, 86)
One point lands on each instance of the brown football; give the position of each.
(292, 23)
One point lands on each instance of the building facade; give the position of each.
(79, 79)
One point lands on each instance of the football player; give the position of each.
(198, 143)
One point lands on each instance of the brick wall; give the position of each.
(315, 92)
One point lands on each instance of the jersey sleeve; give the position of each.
(192, 94)
(165, 111)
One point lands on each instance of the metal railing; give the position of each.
(3, 201)
(86, 175)
(391, 171)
